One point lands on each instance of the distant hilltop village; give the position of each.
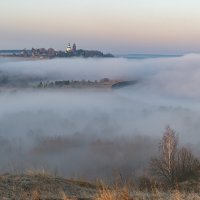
(51, 53)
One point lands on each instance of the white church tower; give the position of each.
(69, 49)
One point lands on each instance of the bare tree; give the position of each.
(173, 164)
(165, 164)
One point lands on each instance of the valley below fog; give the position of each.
(95, 133)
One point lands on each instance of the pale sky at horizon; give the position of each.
(119, 26)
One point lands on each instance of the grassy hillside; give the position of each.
(42, 186)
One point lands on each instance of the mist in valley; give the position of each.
(96, 133)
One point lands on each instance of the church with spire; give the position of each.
(71, 49)
(74, 49)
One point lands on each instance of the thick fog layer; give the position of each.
(95, 133)
(176, 75)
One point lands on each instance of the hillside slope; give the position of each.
(43, 187)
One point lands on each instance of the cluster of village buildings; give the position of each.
(42, 52)
(52, 53)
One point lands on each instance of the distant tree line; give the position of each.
(49, 84)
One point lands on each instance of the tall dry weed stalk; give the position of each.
(64, 196)
(176, 195)
(115, 193)
(35, 195)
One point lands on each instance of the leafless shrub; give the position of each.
(146, 183)
(187, 166)
(173, 164)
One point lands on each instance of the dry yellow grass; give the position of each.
(125, 194)
(106, 194)
(35, 195)
(41, 186)
(64, 196)
(116, 193)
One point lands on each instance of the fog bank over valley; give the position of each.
(94, 132)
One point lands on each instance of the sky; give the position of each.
(116, 26)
